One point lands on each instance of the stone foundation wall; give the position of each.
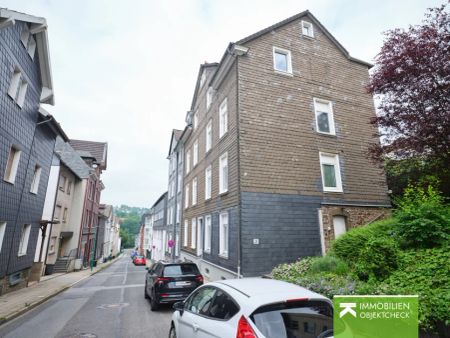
(6, 287)
(354, 217)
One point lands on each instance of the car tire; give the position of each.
(172, 332)
(145, 292)
(154, 305)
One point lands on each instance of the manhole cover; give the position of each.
(112, 306)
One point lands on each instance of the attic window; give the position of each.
(307, 29)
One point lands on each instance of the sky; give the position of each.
(124, 72)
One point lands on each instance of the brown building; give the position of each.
(275, 163)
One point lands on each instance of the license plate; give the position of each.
(182, 283)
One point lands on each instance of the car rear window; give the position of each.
(300, 319)
(180, 270)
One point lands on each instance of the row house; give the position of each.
(106, 221)
(27, 138)
(275, 165)
(147, 221)
(161, 230)
(95, 155)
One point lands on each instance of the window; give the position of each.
(339, 226)
(194, 191)
(12, 164)
(195, 155)
(64, 218)
(193, 233)
(18, 87)
(24, 36)
(36, 179)
(324, 116)
(188, 161)
(307, 29)
(208, 182)
(200, 301)
(24, 237)
(179, 183)
(2, 233)
(223, 173)
(195, 122)
(185, 234)
(28, 42)
(69, 187)
(31, 47)
(207, 245)
(223, 306)
(282, 60)
(208, 136)
(223, 118)
(186, 196)
(62, 184)
(209, 97)
(223, 235)
(57, 213)
(331, 173)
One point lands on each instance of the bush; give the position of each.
(329, 264)
(377, 259)
(423, 220)
(293, 271)
(328, 284)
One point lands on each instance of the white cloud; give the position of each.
(124, 71)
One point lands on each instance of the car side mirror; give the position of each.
(179, 306)
(147, 268)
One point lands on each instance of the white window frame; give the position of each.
(277, 50)
(195, 120)
(18, 87)
(331, 159)
(193, 233)
(208, 131)
(2, 234)
(208, 182)
(208, 234)
(36, 178)
(330, 115)
(203, 79)
(186, 196)
(186, 233)
(188, 161)
(307, 25)
(199, 243)
(195, 153)
(177, 218)
(24, 239)
(224, 231)
(209, 97)
(194, 191)
(12, 162)
(223, 118)
(223, 183)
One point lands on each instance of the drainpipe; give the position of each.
(239, 174)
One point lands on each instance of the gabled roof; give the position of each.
(176, 134)
(199, 76)
(92, 149)
(47, 118)
(38, 27)
(164, 195)
(71, 159)
(316, 22)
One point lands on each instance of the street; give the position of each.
(108, 304)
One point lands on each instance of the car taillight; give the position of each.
(161, 280)
(199, 278)
(244, 329)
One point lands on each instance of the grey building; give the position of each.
(27, 140)
(160, 229)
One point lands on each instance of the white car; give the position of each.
(252, 307)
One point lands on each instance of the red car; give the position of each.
(139, 260)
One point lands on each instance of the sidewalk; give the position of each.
(18, 302)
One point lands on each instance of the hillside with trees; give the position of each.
(130, 218)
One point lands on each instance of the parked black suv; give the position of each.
(171, 282)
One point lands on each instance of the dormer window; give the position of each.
(307, 29)
(209, 97)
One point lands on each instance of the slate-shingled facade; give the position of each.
(289, 118)
(27, 139)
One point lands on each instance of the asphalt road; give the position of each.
(109, 304)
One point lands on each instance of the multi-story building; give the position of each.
(160, 229)
(27, 138)
(147, 220)
(276, 165)
(106, 219)
(95, 155)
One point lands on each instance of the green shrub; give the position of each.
(329, 264)
(290, 272)
(423, 220)
(377, 259)
(328, 284)
(349, 246)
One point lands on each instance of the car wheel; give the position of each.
(154, 305)
(145, 292)
(172, 333)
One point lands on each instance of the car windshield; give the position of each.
(301, 319)
(180, 270)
